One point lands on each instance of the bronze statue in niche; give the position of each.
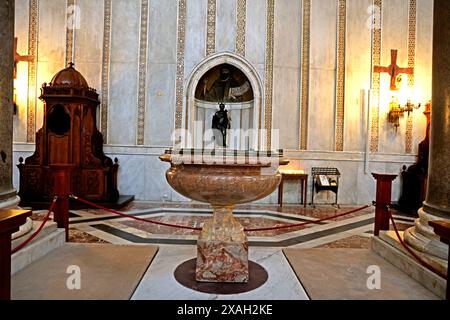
(220, 124)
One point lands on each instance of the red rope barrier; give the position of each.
(419, 259)
(31, 238)
(308, 222)
(199, 229)
(133, 217)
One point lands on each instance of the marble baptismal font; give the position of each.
(223, 178)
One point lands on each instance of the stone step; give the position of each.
(48, 239)
(388, 247)
(49, 227)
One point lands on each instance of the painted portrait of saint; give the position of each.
(224, 84)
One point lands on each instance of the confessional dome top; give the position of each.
(69, 77)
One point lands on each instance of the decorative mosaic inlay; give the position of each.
(241, 26)
(105, 68)
(376, 61)
(269, 71)
(412, 26)
(32, 50)
(180, 63)
(340, 78)
(142, 73)
(70, 34)
(304, 98)
(211, 28)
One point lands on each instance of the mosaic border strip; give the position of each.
(412, 27)
(305, 56)
(180, 63)
(211, 28)
(376, 61)
(241, 22)
(105, 68)
(340, 76)
(268, 94)
(32, 66)
(143, 44)
(70, 36)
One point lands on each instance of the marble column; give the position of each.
(437, 203)
(8, 197)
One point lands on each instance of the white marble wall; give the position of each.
(226, 25)
(395, 17)
(51, 47)
(322, 75)
(195, 42)
(161, 72)
(424, 52)
(255, 34)
(357, 74)
(286, 72)
(21, 83)
(140, 171)
(122, 109)
(88, 42)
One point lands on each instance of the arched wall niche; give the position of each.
(191, 103)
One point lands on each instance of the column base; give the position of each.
(219, 261)
(422, 237)
(388, 246)
(9, 201)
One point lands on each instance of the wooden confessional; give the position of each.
(69, 137)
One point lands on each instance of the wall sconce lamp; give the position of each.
(15, 101)
(18, 58)
(396, 111)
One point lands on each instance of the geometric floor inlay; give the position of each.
(110, 227)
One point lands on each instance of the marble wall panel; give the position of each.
(51, 46)
(424, 56)
(286, 73)
(322, 75)
(226, 25)
(21, 32)
(160, 104)
(88, 44)
(357, 73)
(122, 114)
(161, 73)
(255, 37)
(394, 36)
(196, 12)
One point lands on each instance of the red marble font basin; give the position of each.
(219, 183)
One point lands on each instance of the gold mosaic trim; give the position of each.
(180, 63)
(412, 27)
(105, 68)
(142, 73)
(70, 34)
(376, 61)
(340, 83)
(241, 21)
(32, 66)
(304, 99)
(211, 28)
(269, 72)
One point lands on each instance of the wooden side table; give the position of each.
(10, 222)
(294, 175)
(442, 229)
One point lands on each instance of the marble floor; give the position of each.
(179, 245)
(160, 284)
